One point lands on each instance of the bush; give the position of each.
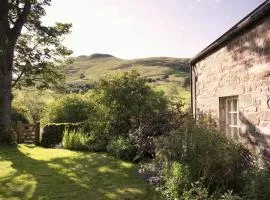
(30, 104)
(257, 185)
(230, 196)
(209, 156)
(196, 191)
(176, 180)
(68, 109)
(52, 134)
(143, 137)
(124, 103)
(77, 140)
(19, 114)
(119, 106)
(120, 147)
(98, 142)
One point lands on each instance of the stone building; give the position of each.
(231, 80)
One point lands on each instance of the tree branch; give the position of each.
(17, 79)
(16, 30)
(18, 8)
(11, 20)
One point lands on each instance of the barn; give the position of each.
(230, 80)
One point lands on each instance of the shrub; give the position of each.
(122, 104)
(98, 142)
(196, 191)
(176, 180)
(257, 184)
(230, 196)
(120, 147)
(68, 109)
(77, 140)
(52, 134)
(143, 137)
(30, 104)
(150, 169)
(207, 154)
(19, 114)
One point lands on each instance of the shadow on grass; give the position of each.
(76, 175)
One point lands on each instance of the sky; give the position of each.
(146, 28)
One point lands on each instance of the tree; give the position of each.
(29, 52)
(126, 106)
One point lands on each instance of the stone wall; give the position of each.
(241, 68)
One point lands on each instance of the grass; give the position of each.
(30, 172)
(174, 88)
(95, 68)
(155, 68)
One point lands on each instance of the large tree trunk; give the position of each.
(6, 59)
(8, 39)
(5, 102)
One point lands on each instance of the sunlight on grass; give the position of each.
(134, 193)
(105, 170)
(30, 172)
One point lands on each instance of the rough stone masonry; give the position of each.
(241, 69)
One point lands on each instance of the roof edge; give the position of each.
(260, 12)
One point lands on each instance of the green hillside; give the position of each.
(88, 69)
(164, 73)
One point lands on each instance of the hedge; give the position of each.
(52, 134)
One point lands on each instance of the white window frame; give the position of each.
(230, 126)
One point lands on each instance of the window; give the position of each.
(232, 116)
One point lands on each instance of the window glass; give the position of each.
(229, 105)
(234, 121)
(235, 105)
(232, 117)
(229, 119)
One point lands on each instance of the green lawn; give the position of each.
(30, 172)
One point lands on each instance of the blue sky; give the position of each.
(146, 28)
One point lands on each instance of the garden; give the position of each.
(118, 136)
(125, 140)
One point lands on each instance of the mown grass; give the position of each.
(30, 172)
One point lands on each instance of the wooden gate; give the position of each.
(28, 133)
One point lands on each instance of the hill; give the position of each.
(164, 73)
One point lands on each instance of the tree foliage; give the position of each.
(30, 52)
(126, 106)
(128, 101)
(39, 50)
(68, 109)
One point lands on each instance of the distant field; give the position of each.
(163, 73)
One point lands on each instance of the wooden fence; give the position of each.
(27, 133)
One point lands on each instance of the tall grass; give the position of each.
(76, 140)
